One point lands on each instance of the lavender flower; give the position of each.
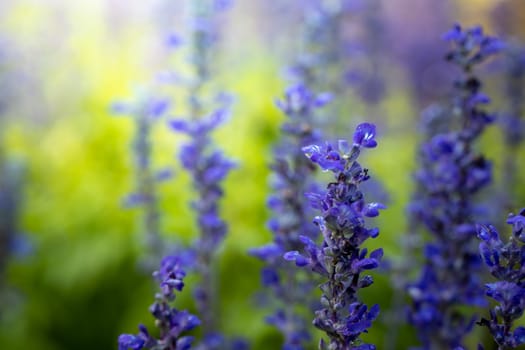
(173, 324)
(452, 174)
(340, 259)
(146, 113)
(291, 217)
(506, 262)
(206, 165)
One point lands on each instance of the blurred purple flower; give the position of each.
(452, 173)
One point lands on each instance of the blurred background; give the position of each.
(70, 278)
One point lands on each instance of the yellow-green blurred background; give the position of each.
(64, 62)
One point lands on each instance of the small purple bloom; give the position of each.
(173, 323)
(372, 209)
(164, 174)
(327, 157)
(505, 262)
(174, 41)
(454, 34)
(157, 107)
(364, 135)
(300, 100)
(145, 112)
(130, 341)
(299, 259)
(268, 252)
(339, 258)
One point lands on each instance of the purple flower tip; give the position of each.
(158, 107)
(295, 256)
(130, 341)
(364, 135)
(174, 41)
(453, 34)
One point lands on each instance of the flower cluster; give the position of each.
(208, 167)
(146, 112)
(206, 164)
(506, 262)
(452, 174)
(173, 324)
(292, 178)
(340, 259)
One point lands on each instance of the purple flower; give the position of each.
(292, 178)
(146, 111)
(130, 341)
(295, 256)
(364, 135)
(471, 46)
(452, 173)
(173, 323)
(157, 107)
(360, 318)
(300, 100)
(207, 165)
(339, 259)
(518, 224)
(506, 262)
(174, 41)
(327, 157)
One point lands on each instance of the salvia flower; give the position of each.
(208, 167)
(173, 324)
(506, 263)
(146, 112)
(206, 164)
(452, 172)
(340, 259)
(292, 178)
